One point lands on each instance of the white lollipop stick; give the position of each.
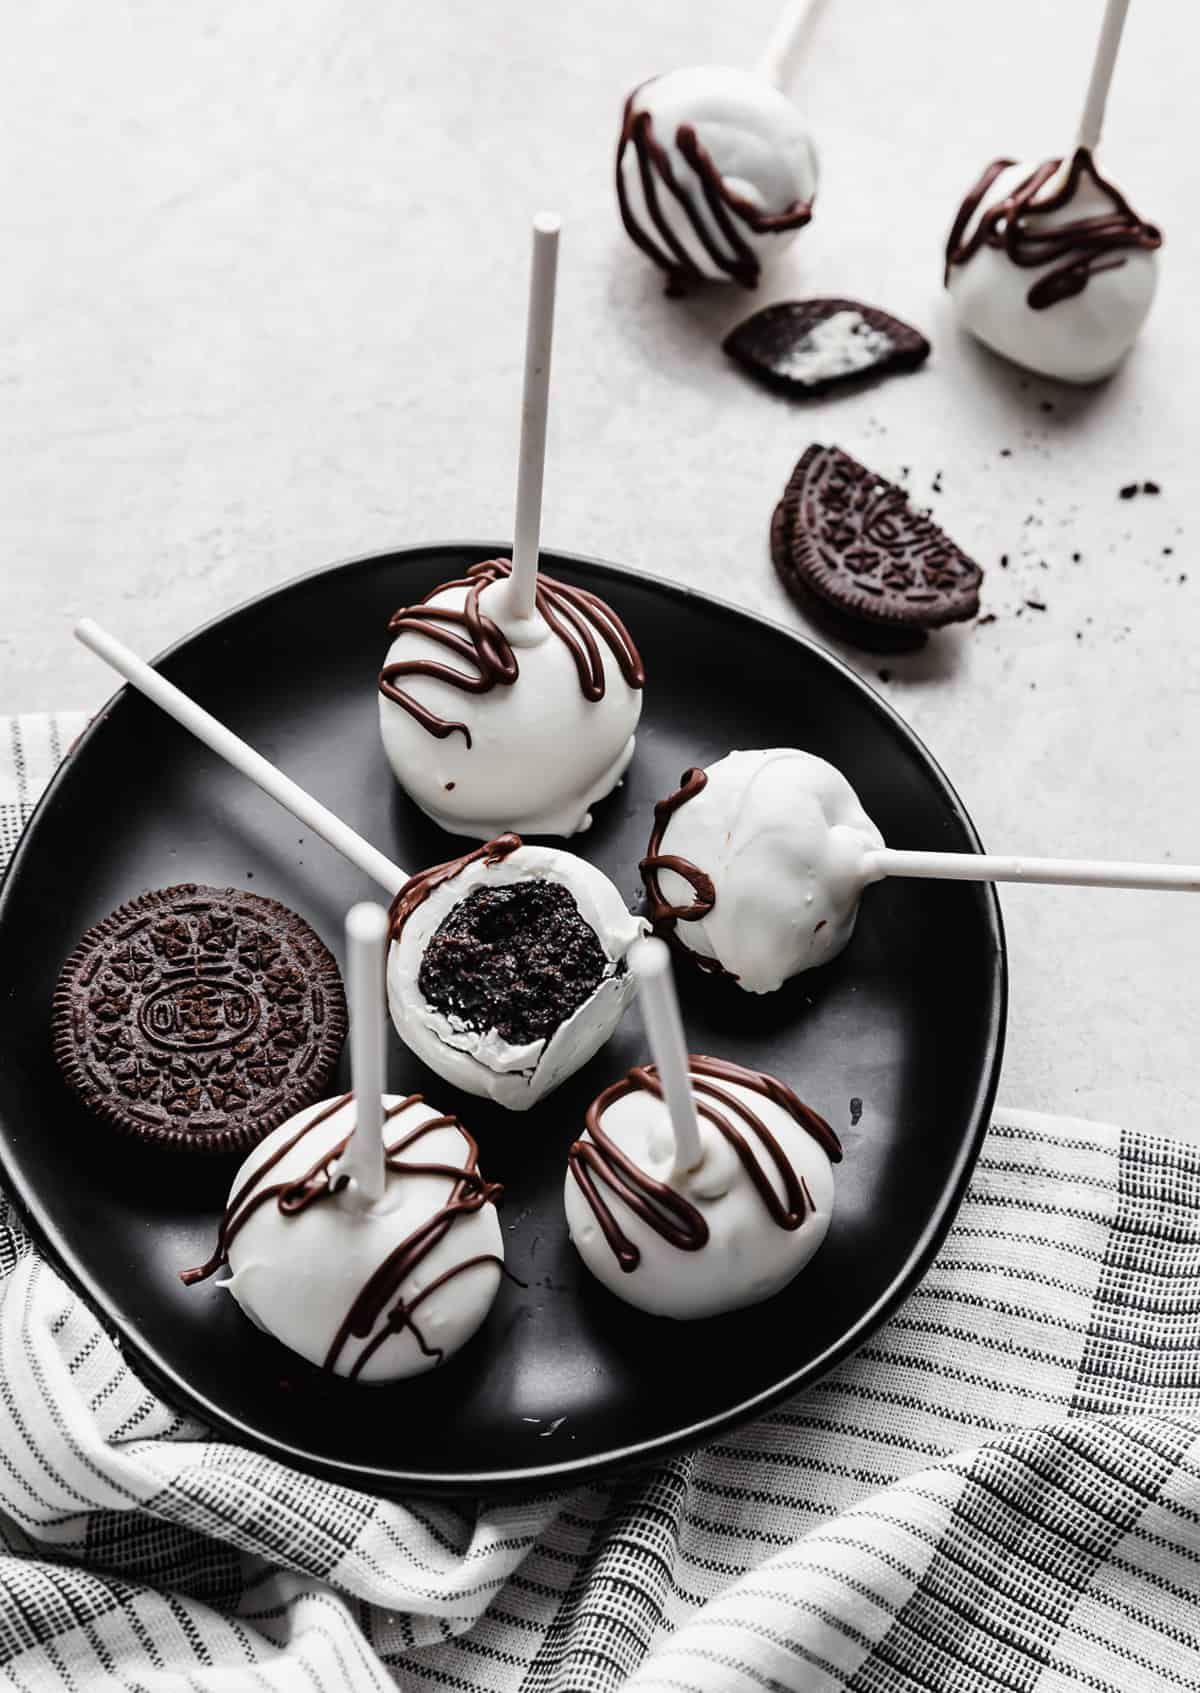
(1064, 872)
(651, 964)
(535, 400)
(242, 756)
(366, 950)
(777, 54)
(1092, 120)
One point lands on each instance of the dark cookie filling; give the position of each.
(518, 959)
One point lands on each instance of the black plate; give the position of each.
(563, 1381)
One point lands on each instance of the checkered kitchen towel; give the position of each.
(1000, 1493)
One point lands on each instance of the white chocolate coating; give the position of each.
(748, 1256)
(515, 1077)
(755, 137)
(1081, 339)
(541, 753)
(297, 1276)
(784, 839)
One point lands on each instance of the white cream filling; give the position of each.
(839, 346)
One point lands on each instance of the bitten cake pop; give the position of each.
(506, 971)
(1049, 264)
(755, 865)
(699, 1186)
(525, 982)
(716, 172)
(361, 1232)
(508, 700)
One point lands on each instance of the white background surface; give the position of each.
(262, 300)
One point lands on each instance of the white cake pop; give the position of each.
(1050, 266)
(494, 722)
(374, 1294)
(1055, 270)
(706, 1204)
(756, 865)
(361, 1232)
(716, 173)
(506, 971)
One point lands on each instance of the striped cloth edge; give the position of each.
(1001, 1491)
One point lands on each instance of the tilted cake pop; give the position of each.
(363, 1235)
(716, 173)
(492, 723)
(507, 968)
(1049, 264)
(509, 700)
(699, 1186)
(755, 865)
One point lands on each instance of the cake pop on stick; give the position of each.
(1049, 264)
(716, 173)
(499, 1021)
(361, 1232)
(756, 866)
(699, 1186)
(509, 700)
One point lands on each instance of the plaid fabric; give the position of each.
(1001, 1492)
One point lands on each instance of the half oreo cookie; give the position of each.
(862, 561)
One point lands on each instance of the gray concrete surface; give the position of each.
(262, 296)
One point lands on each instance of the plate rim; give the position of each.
(166, 1381)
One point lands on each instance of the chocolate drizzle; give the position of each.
(663, 915)
(1077, 251)
(575, 616)
(655, 172)
(469, 1192)
(599, 1161)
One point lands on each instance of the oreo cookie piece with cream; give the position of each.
(804, 348)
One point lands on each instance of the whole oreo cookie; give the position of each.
(854, 554)
(199, 1017)
(806, 347)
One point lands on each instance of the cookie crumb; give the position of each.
(1036, 605)
(1129, 491)
(988, 617)
(1151, 488)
